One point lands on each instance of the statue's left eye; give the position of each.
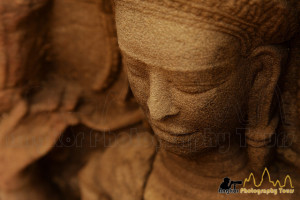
(196, 82)
(193, 88)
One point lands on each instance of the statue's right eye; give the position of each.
(135, 67)
(137, 71)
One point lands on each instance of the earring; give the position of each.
(258, 141)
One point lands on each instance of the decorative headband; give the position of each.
(254, 22)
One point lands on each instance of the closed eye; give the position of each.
(196, 88)
(199, 81)
(135, 67)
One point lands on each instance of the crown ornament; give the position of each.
(254, 22)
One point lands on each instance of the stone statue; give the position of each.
(217, 81)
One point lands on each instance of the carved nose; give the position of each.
(160, 98)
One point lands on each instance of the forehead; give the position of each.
(170, 43)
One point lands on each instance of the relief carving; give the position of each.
(217, 81)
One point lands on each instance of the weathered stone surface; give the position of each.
(218, 82)
(203, 71)
(113, 174)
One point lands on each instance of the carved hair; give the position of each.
(252, 21)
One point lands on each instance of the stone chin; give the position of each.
(184, 149)
(189, 144)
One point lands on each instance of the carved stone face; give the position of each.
(191, 83)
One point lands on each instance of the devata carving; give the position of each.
(217, 81)
(206, 74)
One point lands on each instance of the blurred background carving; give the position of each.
(61, 84)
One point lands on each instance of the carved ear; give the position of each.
(265, 63)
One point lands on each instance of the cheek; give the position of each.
(215, 109)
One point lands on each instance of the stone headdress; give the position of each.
(252, 21)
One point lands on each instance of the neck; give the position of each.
(215, 163)
(205, 171)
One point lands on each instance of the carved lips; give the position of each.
(173, 137)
